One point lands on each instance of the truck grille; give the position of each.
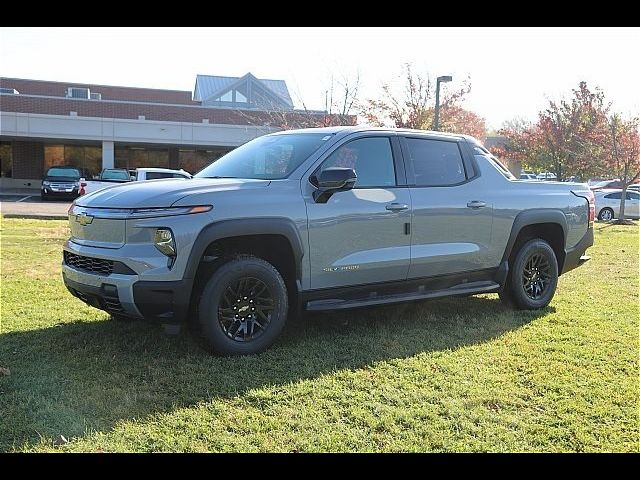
(88, 264)
(62, 186)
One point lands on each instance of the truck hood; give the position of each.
(162, 193)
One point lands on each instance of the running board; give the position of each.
(462, 289)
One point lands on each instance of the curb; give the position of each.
(35, 216)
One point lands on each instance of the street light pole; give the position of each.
(436, 120)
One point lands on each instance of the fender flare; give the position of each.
(533, 217)
(246, 226)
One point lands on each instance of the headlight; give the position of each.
(46, 183)
(164, 242)
(165, 212)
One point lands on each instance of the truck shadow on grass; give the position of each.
(86, 376)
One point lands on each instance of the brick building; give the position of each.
(46, 123)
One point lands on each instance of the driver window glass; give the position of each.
(371, 158)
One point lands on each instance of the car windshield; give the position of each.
(115, 175)
(267, 158)
(63, 172)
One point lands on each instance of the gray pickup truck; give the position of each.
(323, 219)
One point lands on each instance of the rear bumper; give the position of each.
(575, 256)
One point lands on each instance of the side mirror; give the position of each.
(331, 180)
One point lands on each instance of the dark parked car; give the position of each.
(60, 181)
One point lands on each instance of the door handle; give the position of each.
(396, 207)
(476, 204)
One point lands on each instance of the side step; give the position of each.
(462, 289)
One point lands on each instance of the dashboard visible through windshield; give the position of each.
(271, 157)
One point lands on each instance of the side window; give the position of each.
(157, 175)
(371, 158)
(436, 162)
(614, 196)
(633, 196)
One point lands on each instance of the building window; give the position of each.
(140, 157)
(88, 159)
(193, 161)
(240, 98)
(6, 159)
(227, 97)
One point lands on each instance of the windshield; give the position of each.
(115, 175)
(267, 158)
(63, 172)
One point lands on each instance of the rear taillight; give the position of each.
(591, 200)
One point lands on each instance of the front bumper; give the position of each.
(121, 294)
(48, 191)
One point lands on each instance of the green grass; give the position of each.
(462, 374)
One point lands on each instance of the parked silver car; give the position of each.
(608, 204)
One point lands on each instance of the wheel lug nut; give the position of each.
(253, 308)
(250, 301)
(245, 298)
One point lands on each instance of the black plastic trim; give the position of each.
(533, 217)
(246, 226)
(573, 256)
(164, 302)
(415, 286)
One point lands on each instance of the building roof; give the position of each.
(109, 92)
(208, 86)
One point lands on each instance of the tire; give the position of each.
(44, 197)
(252, 329)
(532, 278)
(605, 215)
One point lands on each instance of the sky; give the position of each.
(513, 72)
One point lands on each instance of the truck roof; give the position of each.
(345, 129)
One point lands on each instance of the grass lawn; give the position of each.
(462, 374)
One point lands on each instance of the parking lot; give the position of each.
(31, 206)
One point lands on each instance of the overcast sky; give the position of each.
(513, 71)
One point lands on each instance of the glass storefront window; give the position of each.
(138, 157)
(53, 156)
(195, 160)
(87, 158)
(6, 159)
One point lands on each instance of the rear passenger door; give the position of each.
(632, 205)
(452, 214)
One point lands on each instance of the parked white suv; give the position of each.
(108, 177)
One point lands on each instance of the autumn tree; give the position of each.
(414, 106)
(569, 137)
(624, 154)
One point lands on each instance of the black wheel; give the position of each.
(243, 306)
(533, 277)
(44, 197)
(605, 215)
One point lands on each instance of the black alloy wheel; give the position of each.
(243, 306)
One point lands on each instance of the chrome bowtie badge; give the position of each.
(84, 219)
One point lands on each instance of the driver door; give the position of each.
(362, 236)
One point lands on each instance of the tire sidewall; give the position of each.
(234, 269)
(605, 210)
(517, 291)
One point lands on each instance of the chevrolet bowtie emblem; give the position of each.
(84, 219)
